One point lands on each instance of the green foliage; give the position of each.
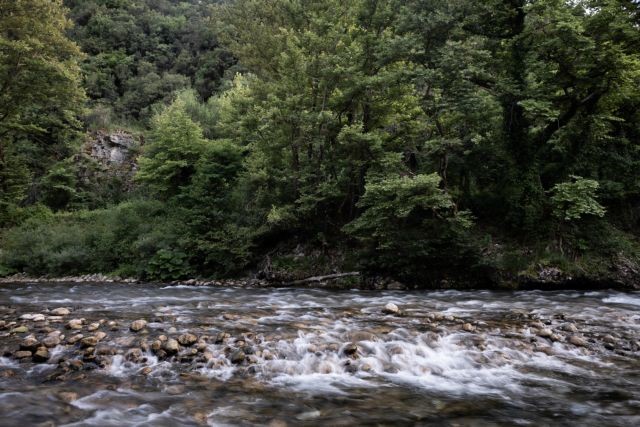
(410, 225)
(388, 125)
(141, 52)
(175, 145)
(575, 199)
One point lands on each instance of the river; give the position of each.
(316, 357)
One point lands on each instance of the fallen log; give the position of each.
(320, 279)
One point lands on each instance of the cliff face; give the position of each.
(112, 149)
(108, 156)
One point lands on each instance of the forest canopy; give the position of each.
(423, 140)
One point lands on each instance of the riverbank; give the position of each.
(548, 279)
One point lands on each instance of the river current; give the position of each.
(316, 357)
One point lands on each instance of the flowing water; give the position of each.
(317, 357)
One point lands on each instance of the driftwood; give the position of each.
(320, 279)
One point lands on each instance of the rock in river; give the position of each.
(171, 346)
(61, 311)
(237, 357)
(41, 355)
(29, 344)
(74, 324)
(187, 339)
(391, 308)
(138, 325)
(578, 341)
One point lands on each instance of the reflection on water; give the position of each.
(308, 357)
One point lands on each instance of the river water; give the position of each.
(315, 357)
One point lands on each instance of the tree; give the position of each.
(40, 90)
(175, 146)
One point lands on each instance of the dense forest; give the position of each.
(439, 143)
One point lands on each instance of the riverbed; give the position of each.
(73, 354)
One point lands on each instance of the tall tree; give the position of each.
(40, 86)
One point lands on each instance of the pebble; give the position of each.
(468, 327)
(19, 330)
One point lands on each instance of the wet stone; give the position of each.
(20, 330)
(237, 357)
(468, 327)
(187, 339)
(578, 341)
(51, 341)
(171, 346)
(41, 355)
(74, 324)
(61, 311)
(22, 354)
(74, 339)
(89, 342)
(391, 308)
(67, 396)
(138, 325)
(350, 349)
(29, 344)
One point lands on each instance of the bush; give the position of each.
(410, 228)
